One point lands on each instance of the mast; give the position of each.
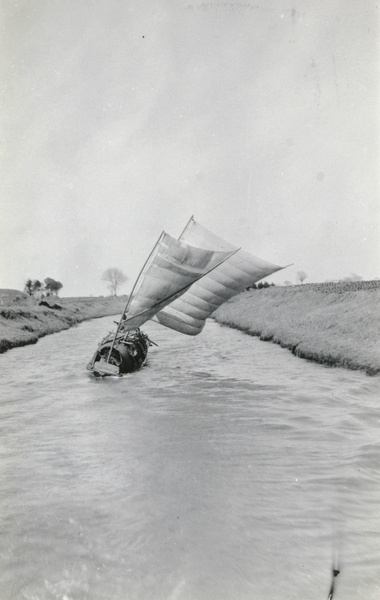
(123, 314)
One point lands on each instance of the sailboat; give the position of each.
(181, 284)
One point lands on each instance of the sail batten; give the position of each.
(189, 312)
(172, 267)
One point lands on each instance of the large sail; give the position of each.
(172, 267)
(189, 312)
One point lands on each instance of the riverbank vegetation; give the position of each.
(33, 287)
(330, 323)
(24, 319)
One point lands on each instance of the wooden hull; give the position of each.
(129, 353)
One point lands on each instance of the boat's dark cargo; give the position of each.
(181, 284)
(124, 355)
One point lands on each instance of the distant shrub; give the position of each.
(259, 286)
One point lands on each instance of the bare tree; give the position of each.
(301, 276)
(115, 277)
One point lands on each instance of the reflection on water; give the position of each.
(226, 469)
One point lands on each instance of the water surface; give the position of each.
(226, 469)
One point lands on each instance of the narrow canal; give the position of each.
(226, 469)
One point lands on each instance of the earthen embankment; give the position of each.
(23, 320)
(330, 323)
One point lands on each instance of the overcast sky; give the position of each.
(122, 118)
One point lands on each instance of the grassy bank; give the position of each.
(23, 320)
(335, 324)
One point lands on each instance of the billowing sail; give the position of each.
(172, 267)
(189, 312)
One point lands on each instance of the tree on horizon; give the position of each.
(51, 286)
(115, 278)
(32, 286)
(301, 276)
(28, 288)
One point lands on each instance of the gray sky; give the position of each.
(121, 118)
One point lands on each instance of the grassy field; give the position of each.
(23, 320)
(331, 323)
